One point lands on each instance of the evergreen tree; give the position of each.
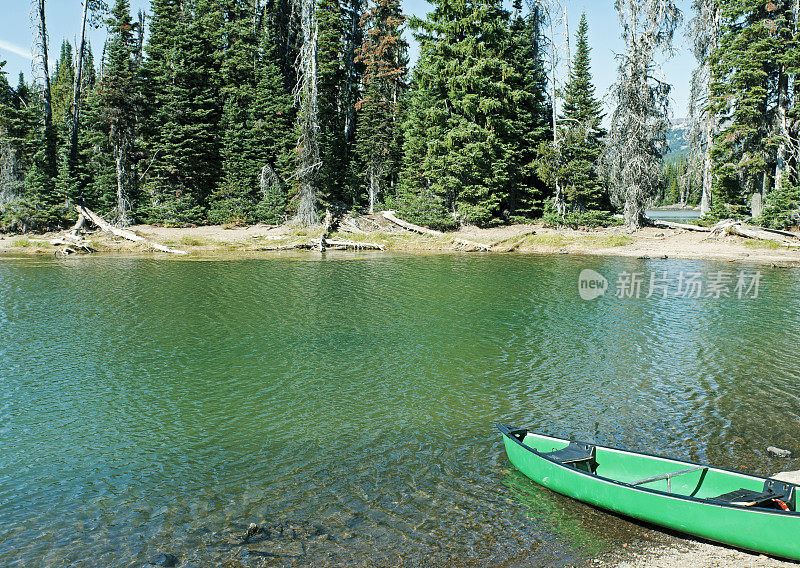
(63, 82)
(532, 125)
(458, 155)
(183, 137)
(272, 134)
(383, 55)
(236, 197)
(331, 81)
(120, 101)
(749, 87)
(582, 137)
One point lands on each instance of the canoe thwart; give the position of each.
(668, 476)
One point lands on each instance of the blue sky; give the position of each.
(63, 20)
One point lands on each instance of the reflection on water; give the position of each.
(348, 404)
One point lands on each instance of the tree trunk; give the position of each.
(48, 108)
(705, 200)
(780, 118)
(76, 93)
(306, 94)
(374, 186)
(122, 195)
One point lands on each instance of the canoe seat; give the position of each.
(749, 498)
(575, 454)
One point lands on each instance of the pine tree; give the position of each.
(236, 197)
(458, 155)
(532, 125)
(331, 81)
(41, 176)
(120, 101)
(383, 54)
(182, 72)
(749, 87)
(272, 134)
(581, 118)
(63, 82)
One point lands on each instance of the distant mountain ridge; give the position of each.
(678, 139)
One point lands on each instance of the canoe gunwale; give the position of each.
(509, 433)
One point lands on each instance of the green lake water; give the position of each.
(348, 403)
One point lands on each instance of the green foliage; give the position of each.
(578, 219)
(184, 141)
(582, 136)
(532, 124)
(462, 129)
(783, 209)
(378, 136)
(756, 53)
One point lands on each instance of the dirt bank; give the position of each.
(259, 239)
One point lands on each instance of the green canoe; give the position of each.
(730, 507)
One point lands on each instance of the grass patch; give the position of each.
(609, 241)
(192, 241)
(757, 244)
(23, 242)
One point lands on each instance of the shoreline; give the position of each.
(676, 552)
(215, 242)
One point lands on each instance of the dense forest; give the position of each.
(240, 111)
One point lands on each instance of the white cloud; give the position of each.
(15, 49)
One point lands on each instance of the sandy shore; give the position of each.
(233, 241)
(693, 554)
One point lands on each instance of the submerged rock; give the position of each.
(252, 530)
(779, 452)
(163, 559)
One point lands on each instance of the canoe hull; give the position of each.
(760, 530)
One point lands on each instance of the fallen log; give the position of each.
(336, 244)
(758, 233)
(122, 233)
(781, 232)
(389, 215)
(671, 225)
(354, 244)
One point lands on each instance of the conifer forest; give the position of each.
(245, 111)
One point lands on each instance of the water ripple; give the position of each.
(348, 404)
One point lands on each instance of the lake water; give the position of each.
(674, 215)
(348, 403)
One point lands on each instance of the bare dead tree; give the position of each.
(637, 141)
(704, 32)
(308, 161)
(40, 50)
(555, 14)
(76, 90)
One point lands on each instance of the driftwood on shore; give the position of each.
(684, 226)
(122, 233)
(389, 215)
(731, 227)
(328, 244)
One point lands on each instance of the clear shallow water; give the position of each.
(674, 215)
(349, 404)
